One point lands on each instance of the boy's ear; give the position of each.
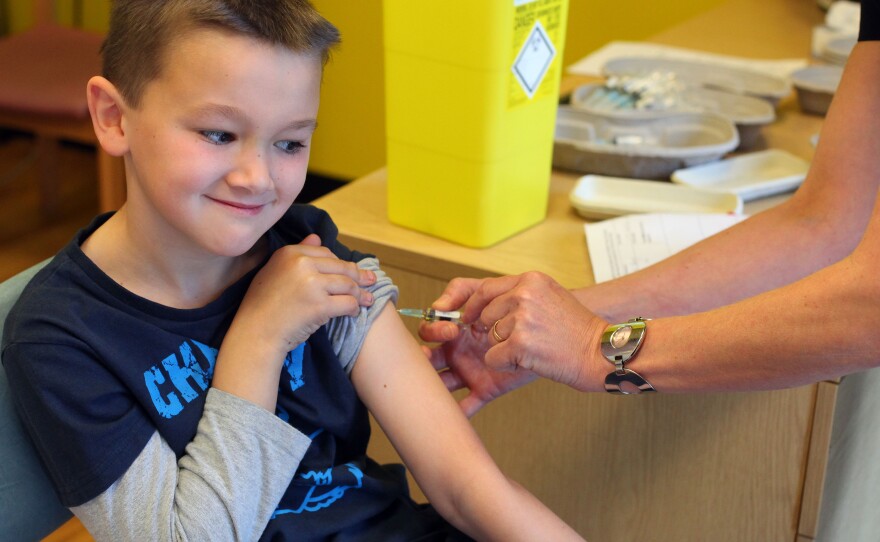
(107, 108)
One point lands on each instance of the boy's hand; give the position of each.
(300, 289)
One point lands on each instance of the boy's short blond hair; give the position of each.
(141, 32)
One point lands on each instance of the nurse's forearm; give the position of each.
(766, 251)
(818, 328)
(818, 226)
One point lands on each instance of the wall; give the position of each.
(89, 14)
(350, 140)
(593, 23)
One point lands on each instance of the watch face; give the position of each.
(620, 336)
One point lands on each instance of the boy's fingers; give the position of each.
(334, 266)
(305, 250)
(366, 298)
(342, 305)
(311, 239)
(339, 285)
(367, 277)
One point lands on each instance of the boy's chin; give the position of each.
(235, 247)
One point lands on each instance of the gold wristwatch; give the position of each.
(620, 343)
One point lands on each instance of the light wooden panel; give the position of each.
(851, 495)
(817, 460)
(72, 531)
(666, 467)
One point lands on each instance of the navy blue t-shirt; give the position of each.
(96, 369)
(869, 24)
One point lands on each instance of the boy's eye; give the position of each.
(218, 137)
(290, 147)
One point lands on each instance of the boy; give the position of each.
(197, 365)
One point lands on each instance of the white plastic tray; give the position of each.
(737, 107)
(599, 197)
(643, 148)
(705, 74)
(837, 50)
(816, 86)
(751, 176)
(749, 113)
(818, 78)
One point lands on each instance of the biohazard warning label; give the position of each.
(534, 59)
(538, 35)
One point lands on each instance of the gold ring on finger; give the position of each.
(495, 334)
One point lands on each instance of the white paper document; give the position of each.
(622, 245)
(592, 64)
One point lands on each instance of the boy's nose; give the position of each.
(251, 172)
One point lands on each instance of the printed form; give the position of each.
(622, 245)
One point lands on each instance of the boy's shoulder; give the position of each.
(11, 291)
(59, 291)
(303, 219)
(52, 292)
(61, 272)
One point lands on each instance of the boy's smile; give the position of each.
(219, 146)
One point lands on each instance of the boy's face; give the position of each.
(219, 146)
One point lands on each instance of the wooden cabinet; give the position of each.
(735, 466)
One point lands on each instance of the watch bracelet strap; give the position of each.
(621, 375)
(614, 380)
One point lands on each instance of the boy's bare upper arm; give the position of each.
(423, 421)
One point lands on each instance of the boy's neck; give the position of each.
(152, 271)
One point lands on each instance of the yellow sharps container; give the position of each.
(471, 93)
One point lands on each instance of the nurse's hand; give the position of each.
(460, 357)
(453, 298)
(534, 326)
(460, 363)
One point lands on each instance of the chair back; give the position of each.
(30, 508)
(43, 11)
